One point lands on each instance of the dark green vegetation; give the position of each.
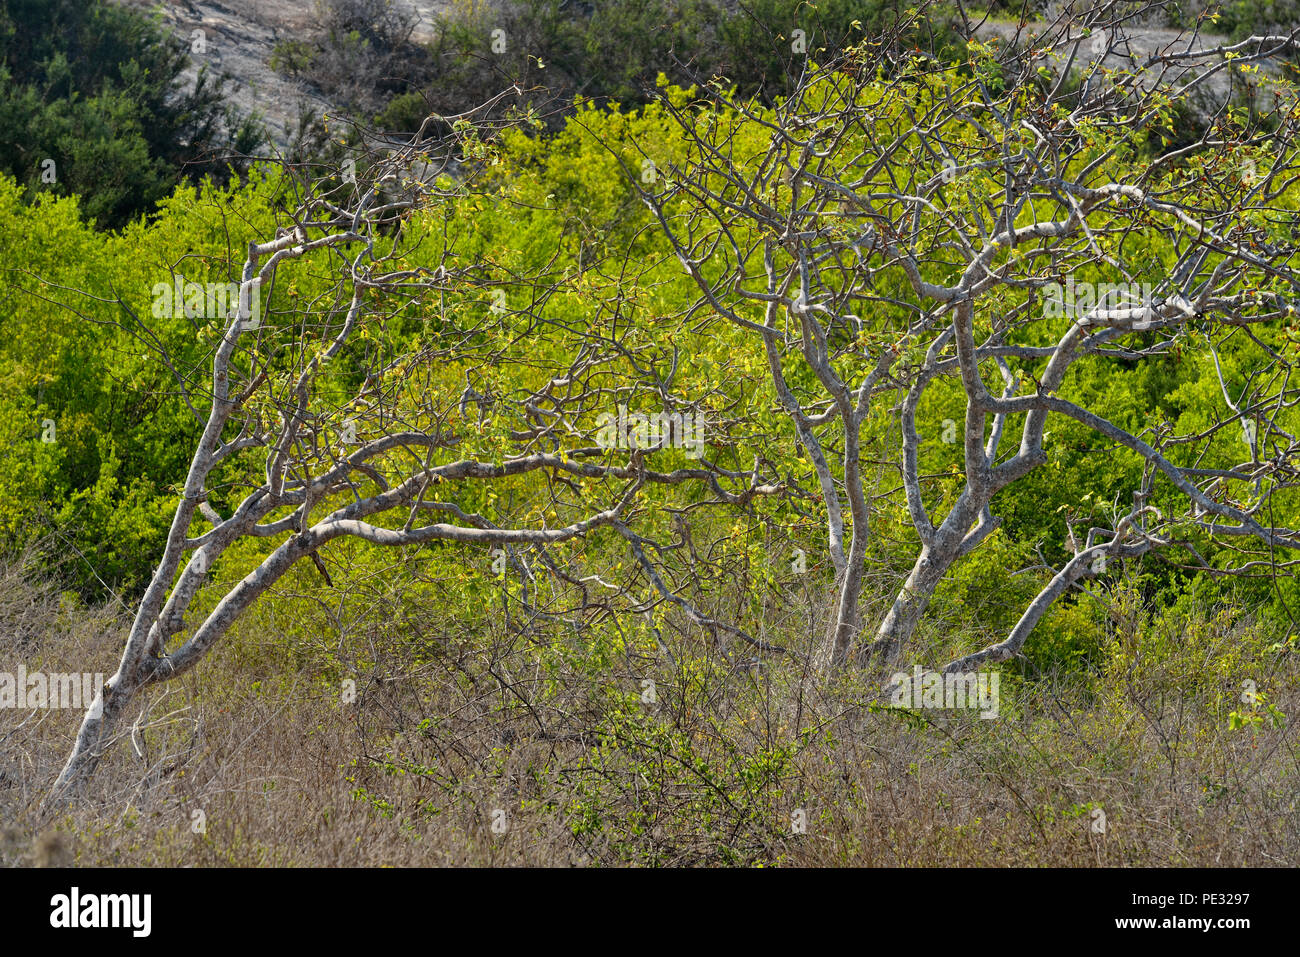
(97, 91)
(556, 51)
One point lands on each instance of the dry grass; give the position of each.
(448, 728)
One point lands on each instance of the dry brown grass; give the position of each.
(448, 727)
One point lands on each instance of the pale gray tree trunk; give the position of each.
(832, 652)
(899, 624)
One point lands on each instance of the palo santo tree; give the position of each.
(899, 223)
(381, 406)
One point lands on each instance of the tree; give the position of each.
(376, 411)
(898, 224)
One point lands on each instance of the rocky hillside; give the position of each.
(239, 37)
